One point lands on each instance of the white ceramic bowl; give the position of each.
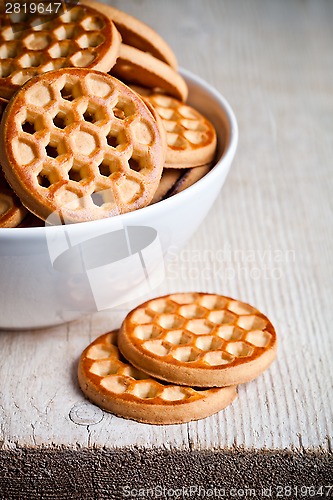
(51, 275)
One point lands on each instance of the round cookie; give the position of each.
(187, 178)
(175, 180)
(159, 123)
(134, 66)
(198, 339)
(191, 138)
(137, 34)
(32, 221)
(79, 37)
(3, 104)
(80, 143)
(142, 91)
(109, 381)
(169, 177)
(12, 212)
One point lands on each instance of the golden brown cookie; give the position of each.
(109, 381)
(137, 34)
(191, 138)
(79, 37)
(186, 178)
(32, 221)
(82, 144)
(12, 211)
(3, 104)
(169, 178)
(198, 339)
(134, 66)
(142, 91)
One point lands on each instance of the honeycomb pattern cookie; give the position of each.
(198, 339)
(79, 37)
(191, 138)
(108, 380)
(80, 143)
(137, 34)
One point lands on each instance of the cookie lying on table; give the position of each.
(108, 380)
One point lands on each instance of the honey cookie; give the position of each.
(12, 211)
(134, 66)
(109, 381)
(191, 138)
(82, 144)
(187, 178)
(137, 34)
(169, 178)
(198, 339)
(79, 37)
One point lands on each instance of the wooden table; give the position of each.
(268, 241)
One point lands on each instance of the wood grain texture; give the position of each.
(115, 474)
(267, 241)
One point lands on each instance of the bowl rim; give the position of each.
(226, 158)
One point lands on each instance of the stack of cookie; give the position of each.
(94, 117)
(177, 358)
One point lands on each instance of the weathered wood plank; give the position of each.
(137, 473)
